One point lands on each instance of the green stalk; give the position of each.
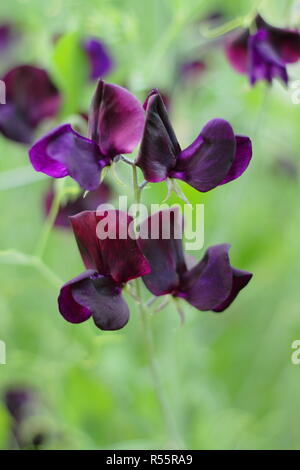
(148, 337)
(42, 243)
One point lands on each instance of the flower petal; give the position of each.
(206, 162)
(91, 294)
(159, 147)
(239, 281)
(209, 283)
(64, 152)
(13, 126)
(122, 254)
(192, 70)
(32, 92)
(7, 37)
(117, 255)
(163, 249)
(264, 62)
(241, 160)
(103, 297)
(69, 307)
(99, 58)
(284, 41)
(84, 227)
(236, 50)
(18, 401)
(116, 120)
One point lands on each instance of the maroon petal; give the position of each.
(31, 90)
(159, 147)
(236, 49)
(206, 162)
(163, 251)
(239, 281)
(123, 257)
(118, 255)
(241, 160)
(209, 283)
(284, 41)
(69, 307)
(116, 120)
(99, 59)
(64, 152)
(84, 227)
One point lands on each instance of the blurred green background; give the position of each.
(229, 377)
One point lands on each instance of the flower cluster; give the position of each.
(210, 284)
(263, 54)
(118, 122)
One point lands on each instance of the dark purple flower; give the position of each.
(286, 167)
(17, 401)
(81, 203)
(22, 404)
(31, 97)
(192, 70)
(7, 37)
(100, 61)
(211, 284)
(264, 54)
(116, 122)
(216, 157)
(110, 263)
(265, 63)
(214, 17)
(166, 98)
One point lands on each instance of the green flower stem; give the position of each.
(18, 177)
(148, 337)
(239, 22)
(16, 258)
(58, 196)
(47, 272)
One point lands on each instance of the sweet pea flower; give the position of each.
(99, 59)
(116, 122)
(31, 97)
(210, 284)
(264, 54)
(22, 403)
(7, 37)
(17, 400)
(192, 70)
(216, 157)
(110, 263)
(81, 203)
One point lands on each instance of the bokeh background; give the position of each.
(229, 378)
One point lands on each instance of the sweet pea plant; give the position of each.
(117, 122)
(118, 256)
